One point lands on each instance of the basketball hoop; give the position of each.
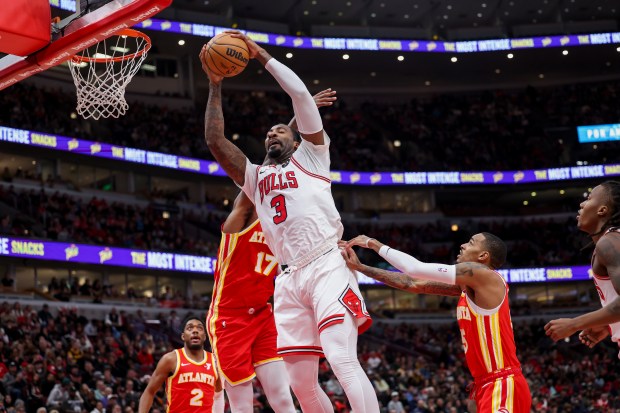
(102, 72)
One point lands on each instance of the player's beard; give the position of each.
(195, 346)
(275, 152)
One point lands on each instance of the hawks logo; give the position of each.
(502, 410)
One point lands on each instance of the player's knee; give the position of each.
(281, 401)
(340, 356)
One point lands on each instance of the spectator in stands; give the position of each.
(395, 405)
(59, 394)
(6, 227)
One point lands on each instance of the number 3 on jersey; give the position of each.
(278, 202)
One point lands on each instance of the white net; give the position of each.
(102, 72)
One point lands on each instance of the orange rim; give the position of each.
(124, 32)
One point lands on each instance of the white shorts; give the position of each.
(312, 298)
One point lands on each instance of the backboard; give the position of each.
(78, 32)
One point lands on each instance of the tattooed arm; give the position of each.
(230, 158)
(398, 279)
(484, 286)
(608, 256)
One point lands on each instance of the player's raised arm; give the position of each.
(325, 97)
(165, 367)
(608, 255)
(230, 158)
(310, 125)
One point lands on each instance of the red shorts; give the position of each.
(510, 394)
(241, 340)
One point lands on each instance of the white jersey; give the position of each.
(607, 293)
(294, 202)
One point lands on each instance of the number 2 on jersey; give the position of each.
(278, 202)
(269, 259)
(197, 399)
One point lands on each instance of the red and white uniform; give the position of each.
(240, 321)
(192, 386)
(302, 226)
(607, 294)
(294, 202)
(490, 352)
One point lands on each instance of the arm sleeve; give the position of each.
(409, 265)
(306, 113)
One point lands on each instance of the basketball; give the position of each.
(226, 55)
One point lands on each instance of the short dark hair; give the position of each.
(296, 135)
(613, 191)
(497, 249)
(193, 317)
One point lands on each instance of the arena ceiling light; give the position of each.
(119, 49)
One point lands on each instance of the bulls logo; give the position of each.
(353, 303)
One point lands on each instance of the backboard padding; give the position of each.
(83, 32)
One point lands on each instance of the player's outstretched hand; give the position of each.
(592, 336)
(253, 48)
(351, 258)
(560, 328)
(325, 97)
(360, 241)
(217, 79)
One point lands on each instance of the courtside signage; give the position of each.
(181, 163)
(598, 133)
(168, 261)
(335, 43)
(527, 275)
(102, 255)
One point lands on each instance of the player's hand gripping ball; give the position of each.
(226, 55)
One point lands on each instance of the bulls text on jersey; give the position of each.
(276, 181)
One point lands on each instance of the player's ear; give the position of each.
(484, 257)
(603, 210)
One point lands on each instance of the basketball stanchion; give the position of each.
(102, 72)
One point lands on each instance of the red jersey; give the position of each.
(192, 386)
(488, 338)
(245, 270)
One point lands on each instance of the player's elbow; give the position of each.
(298, 92)
(212, 140)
